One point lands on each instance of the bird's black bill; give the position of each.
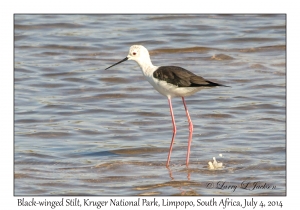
(125, 59)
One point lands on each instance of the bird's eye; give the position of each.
(134, 53)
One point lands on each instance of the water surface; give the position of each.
(80, 130)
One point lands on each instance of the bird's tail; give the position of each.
(210, 83)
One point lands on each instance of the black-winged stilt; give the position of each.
(170, 81)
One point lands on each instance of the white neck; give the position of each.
(146, 66)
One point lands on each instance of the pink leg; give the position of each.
(188, 116)
(174, 131)
(191, 132)
(170, 173)
(189, 148)
(172, 115)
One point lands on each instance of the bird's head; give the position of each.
(137, 53)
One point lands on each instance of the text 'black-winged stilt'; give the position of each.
(170, 81)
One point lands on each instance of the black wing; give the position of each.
(181, 77)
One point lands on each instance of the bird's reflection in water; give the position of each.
(187, 171)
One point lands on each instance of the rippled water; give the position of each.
(80, 130)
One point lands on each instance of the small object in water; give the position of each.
(214, 165)
(210, 166)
